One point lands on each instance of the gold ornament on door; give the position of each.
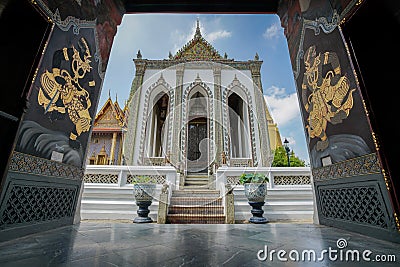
(326, 98)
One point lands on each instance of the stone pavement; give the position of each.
(127, 244)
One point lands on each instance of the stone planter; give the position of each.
(256, 194)
(143, 194)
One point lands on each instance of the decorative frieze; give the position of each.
(292, 180)
(367, 164)
(24, 163)
(153, 179)
(101, 178)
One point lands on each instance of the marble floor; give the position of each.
(126, 244)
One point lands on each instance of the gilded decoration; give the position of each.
(326, 98)
(61, 84)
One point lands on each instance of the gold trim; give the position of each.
(375, 139)
(65, 51)
(387, 182)
(72, 136)
(397, 221)
(43, 51)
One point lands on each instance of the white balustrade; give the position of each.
(106, 174)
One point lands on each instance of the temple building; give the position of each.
(198, 110)
(106, 142)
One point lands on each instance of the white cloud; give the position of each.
(213, 36)
(272, 31)
(180, 38)
(291, 140)
(283, 108)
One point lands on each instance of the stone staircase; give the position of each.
(196, 181)
(196, 206)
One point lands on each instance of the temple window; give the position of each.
(239, 127)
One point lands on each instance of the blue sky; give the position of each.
(241, 36)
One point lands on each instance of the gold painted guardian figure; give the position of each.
(326, 98)
(61, 90)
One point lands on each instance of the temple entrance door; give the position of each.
(197, 150)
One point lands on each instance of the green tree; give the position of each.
(281, 160)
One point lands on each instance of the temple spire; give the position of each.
(198, 33)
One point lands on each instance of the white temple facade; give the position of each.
(197, 111)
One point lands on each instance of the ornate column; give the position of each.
(218, 124)
(112, 153)
(133, 104)
(176, 140)
(255, 66)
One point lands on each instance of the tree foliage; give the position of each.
(281, 159)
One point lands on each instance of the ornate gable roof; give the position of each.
(110, 116)
(197, 49)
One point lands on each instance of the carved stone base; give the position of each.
(143, 212)
(257, 212)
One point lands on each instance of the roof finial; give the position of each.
(198, 79)
(198, 33)
(116, 97)
(109, 93)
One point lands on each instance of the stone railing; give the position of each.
(125, 175)
(278, 176)
(227, 178)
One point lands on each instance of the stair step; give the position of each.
(197, 175)
(196, 182)
(196, 178)
(195, 202)
(196, 206)
(199, 210)
(195, 219)
(195, 187)
(196, 193)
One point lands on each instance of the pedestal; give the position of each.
(143, 212)
(257, 212)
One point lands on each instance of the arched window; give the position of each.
(156, 128)
(239, 127)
